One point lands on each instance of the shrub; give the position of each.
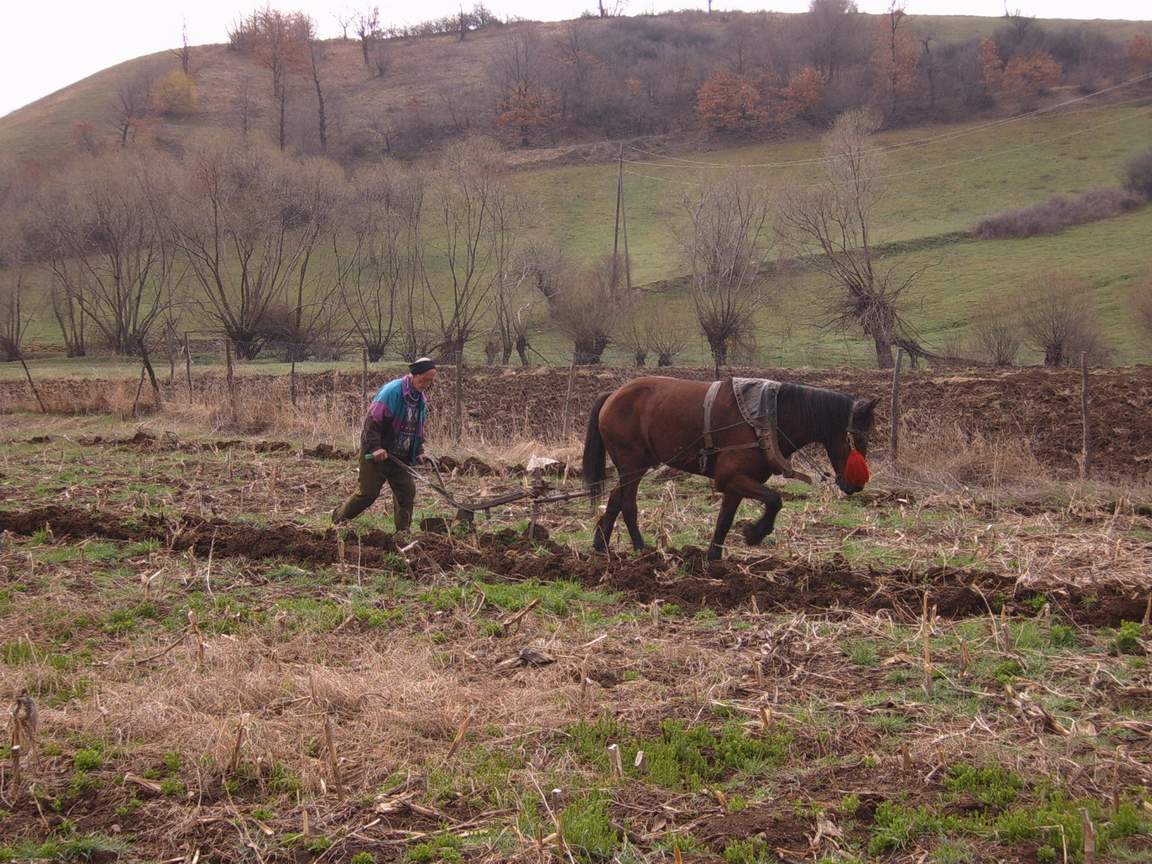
(1057, 318)
(1059, 212)
(1138, 174)
(998, 338)
(1142, 302)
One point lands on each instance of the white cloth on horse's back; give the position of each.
(756, 398)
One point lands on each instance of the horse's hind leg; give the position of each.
(728, 507)
(630, 510)
(603, 534)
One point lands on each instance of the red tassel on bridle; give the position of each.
(856, 469)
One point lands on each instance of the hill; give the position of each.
(417, 90)
(940, 178)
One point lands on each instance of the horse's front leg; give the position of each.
(747, 487)
(755, 533)
(728, 507)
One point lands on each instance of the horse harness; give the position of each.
(758, 410)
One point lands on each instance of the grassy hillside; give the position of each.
(934, 189)
(422, 75)
(939, 179)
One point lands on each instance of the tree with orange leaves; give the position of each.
(1139, 51)
(802, 93)
(895, 56)
(730, 102)
(1027, 76)
(991, 66)
(526, 109)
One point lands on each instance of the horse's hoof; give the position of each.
(598, 545)
(715, 553)
(752, 536)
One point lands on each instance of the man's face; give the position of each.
(424, 380)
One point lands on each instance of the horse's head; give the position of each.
(848, 449)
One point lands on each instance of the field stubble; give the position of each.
(951, 667)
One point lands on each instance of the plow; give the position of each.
(536, 490)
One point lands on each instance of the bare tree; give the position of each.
(725, 247)
(14, 269)
(471, 190)
(667, 337)
(1056, 317)
(103, 221)
(243, 102)
(510, 276)
(184, 52)
(247, 236)
(279, 41)
(313, 190)
(590, 308)
(829, 225)
(315, 56)
(132, 103)
(833, 28)
(367, 30)
(998, 336)
(379, 261)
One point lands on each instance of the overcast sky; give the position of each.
(45, 48)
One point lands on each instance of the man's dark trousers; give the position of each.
(372, 477)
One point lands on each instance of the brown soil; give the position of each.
(673, 576)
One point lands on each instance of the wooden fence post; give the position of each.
(1086, 437)
(231, 380)
(151, 372)
(32, 384)
(292, 381)
(188, 366)
(364, 376)
(894, 410)
(568, 397)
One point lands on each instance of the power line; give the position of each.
(920, 142)
(939, 165)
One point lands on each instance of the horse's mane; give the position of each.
(823, 412)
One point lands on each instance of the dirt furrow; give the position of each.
(683, 576)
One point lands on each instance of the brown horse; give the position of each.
(657, 420)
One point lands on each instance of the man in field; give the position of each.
(391, 440)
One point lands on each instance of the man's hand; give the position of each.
(425, 459)
(379, 455)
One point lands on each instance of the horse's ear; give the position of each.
(865, 409)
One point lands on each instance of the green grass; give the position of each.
(931, 191)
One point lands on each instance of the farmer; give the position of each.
(391, 440)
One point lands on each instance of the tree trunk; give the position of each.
(283, 100)
(719, 349)
(884, 358)
(322, 118)
(522, 350)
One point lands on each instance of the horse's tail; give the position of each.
(595, 460)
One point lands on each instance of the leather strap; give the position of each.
(709, 401)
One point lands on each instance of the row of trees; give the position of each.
(263, 247)
(613, 76)
(270, 248)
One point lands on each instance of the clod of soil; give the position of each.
(773, 583)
